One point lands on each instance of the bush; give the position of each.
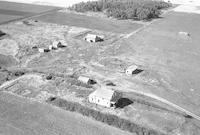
(124, 9)
(109, 119)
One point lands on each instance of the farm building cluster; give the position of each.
(54, 46)
(105, 96)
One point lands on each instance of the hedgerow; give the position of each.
(109, 119)
(124, 9)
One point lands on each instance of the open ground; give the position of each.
(169, 63)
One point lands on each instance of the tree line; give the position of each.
(124, 9)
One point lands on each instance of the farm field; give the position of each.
(19, 116)
(59, 3)
(174, 57)
(73, 19)
(11, 11)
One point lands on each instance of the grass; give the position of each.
(30, 118)
(72, 19)
(109, 119)
(11, 11)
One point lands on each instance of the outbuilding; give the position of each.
(93, 38)
(55, 44)
(42, 50)
(104, 97)
(131, 69)
(86, 80)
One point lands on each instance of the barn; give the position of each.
(104, 97)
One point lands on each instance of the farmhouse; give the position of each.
(93, 38)
(104, 97)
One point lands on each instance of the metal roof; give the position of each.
(103, 93)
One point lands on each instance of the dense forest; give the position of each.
(124, 9)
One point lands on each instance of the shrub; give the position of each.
(124, 9)
(109, 119)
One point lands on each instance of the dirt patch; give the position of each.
(8, 47)
(7, 61)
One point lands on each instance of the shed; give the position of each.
(184, 33)
(130, 70)
(51, 47)
(104, 97)
(62, 43)
(55, 44)
(93, 38)
(42, 50)
(86, 80)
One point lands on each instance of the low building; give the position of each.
(184, 33)
(55, 44)
(42, 50)
(59, 44)
(86, 80)
(130, 70)
(93, 38)
(51, 47)
(104, 97)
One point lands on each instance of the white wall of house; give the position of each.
(99, 101)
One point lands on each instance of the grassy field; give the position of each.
(23, 117)
(31, 8)
(173, 57)
(11, 11)
(102, 24)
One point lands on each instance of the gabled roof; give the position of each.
(132, 67)
(91, 36)
(103, 93)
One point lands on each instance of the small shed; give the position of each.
(55, 44)
(93, 38)
(130, 70)
(86, 80)
(104, 97)
(42, 50)
(51, 47)
(184, 33)
(62, 43)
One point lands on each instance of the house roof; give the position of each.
(91, 36)
(132, 67)
(103, 93)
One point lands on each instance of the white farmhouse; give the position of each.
(93, 38)
(104, 97)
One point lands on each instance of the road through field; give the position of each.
(19, 116)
